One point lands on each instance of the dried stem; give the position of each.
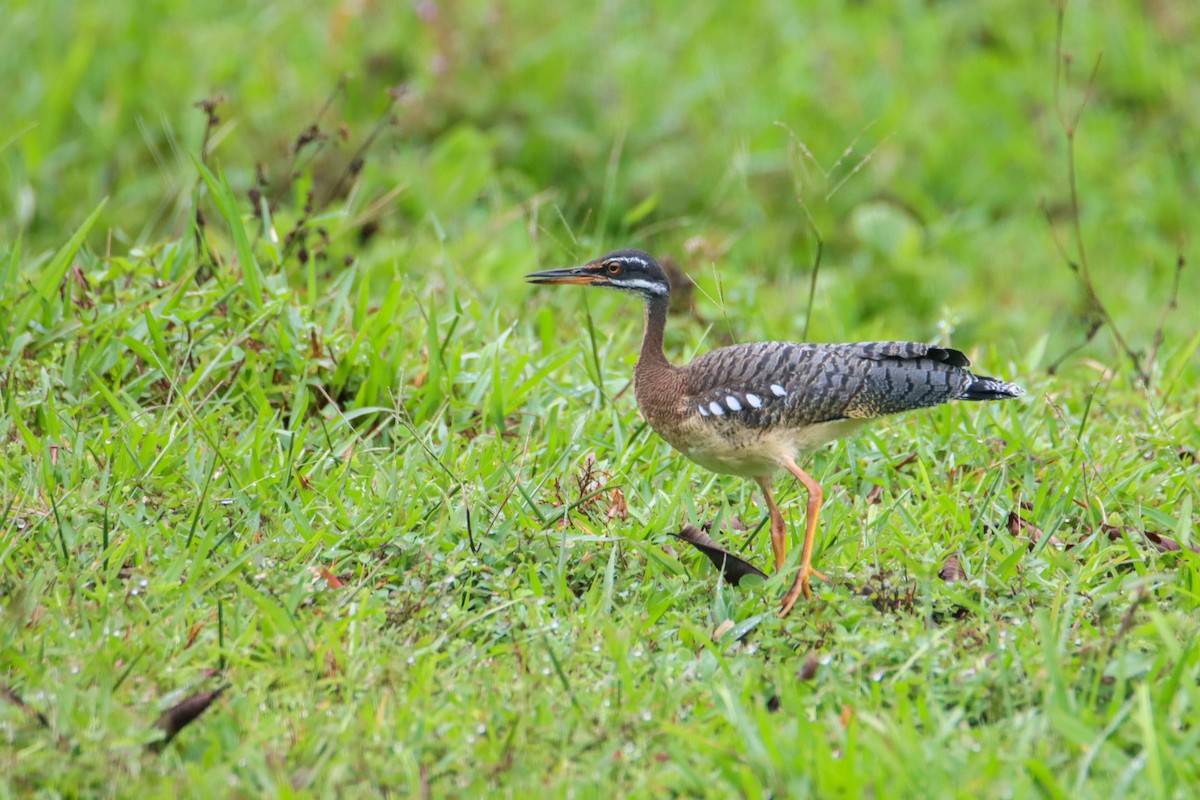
(1172, 304)
(1069, 123)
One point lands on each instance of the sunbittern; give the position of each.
(749, 409)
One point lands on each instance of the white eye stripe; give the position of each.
(649, 286)
(778, 390)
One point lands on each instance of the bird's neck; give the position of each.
(652, 356)
(657, 384)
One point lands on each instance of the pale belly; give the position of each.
(751, 453)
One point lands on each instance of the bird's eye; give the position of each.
(613, 267)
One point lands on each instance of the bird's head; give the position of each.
(628, 270)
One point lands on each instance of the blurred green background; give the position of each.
(531, 135)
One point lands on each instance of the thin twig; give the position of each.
(311, 134)
(355, 165)
(1069, 123)
(1172, 304)
(10, 694)
(796, 145)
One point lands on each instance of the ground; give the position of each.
(287, 440)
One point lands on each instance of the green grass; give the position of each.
(403, 505)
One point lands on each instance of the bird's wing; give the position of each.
(772, 383)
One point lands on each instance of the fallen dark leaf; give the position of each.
(952, 570)
(736, 524)
(182, 714)
(904, 462)
(1022, 528)
(731, 566)
(773, 703)
(808, 670)
(11, 696)
(875, 496)
(1163, 544)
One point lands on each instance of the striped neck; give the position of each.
(658, 385)
(652, 356)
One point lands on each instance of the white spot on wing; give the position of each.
(703, 411)
(778, 390)
(754, 400)
(733, 403)
(715, 408)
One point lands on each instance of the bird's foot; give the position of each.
(800, 587)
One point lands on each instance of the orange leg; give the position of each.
(800, 586)
(778, 526)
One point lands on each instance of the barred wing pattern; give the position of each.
(769, 384)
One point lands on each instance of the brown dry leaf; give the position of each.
(182, 714)
(331, 580)
(722, 629)
(731, 566)
(736, 524)
(1163, 544)
(952, 570)
(193, 633)
(808, 670)
(1021, 528)
(617, 507)
(875, 496)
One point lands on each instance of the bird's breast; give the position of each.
(726, 446)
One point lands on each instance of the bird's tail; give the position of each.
(984, 388)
